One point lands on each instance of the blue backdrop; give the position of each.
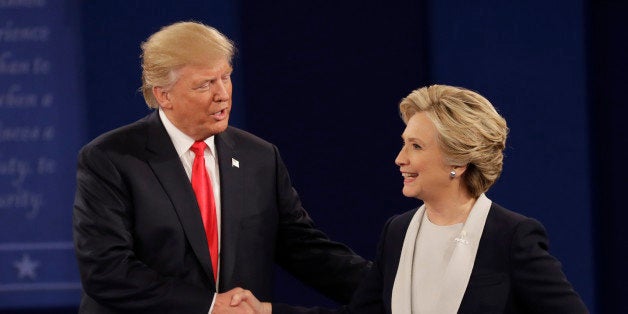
(322, 81)
(531, 64)
(42, 117)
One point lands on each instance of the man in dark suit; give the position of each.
(141, 240)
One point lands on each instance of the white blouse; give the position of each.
(434, 247)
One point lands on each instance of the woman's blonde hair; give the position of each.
(470, 131)
(178, 45)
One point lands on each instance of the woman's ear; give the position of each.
(460, 169)
(457, 171)
(162, 96)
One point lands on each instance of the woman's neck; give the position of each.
(449, 210)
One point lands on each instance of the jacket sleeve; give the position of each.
(368, 298)
(307, 253)
(537, 278)
(111, 273)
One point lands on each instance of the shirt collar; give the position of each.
(182, 142)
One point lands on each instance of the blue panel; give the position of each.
(323, 80)
(528, 59)
(41, 128)
(70, 91)
(608, 65)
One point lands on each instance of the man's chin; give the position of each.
(219, 127)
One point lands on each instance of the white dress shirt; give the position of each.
(182, 143)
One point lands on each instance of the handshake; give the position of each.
(239, 300)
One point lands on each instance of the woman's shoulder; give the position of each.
(504, 215)
(402, 220)
(504, 221)
(396, 227)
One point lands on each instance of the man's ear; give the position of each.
(162, 96)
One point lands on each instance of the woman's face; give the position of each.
(421, 162)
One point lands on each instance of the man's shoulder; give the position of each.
(126, 135)
(239, 137)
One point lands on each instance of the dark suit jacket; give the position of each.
(139, 236)
(513, 270)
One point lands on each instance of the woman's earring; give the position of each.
(452, 174)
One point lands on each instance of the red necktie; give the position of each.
(205, 197)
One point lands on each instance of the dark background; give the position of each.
(322, 80)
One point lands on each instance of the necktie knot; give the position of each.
(198, 148)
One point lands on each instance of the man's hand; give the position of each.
(238, 300)
(245, 296)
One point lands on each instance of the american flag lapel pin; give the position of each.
(235, 163)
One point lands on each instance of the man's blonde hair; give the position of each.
(175, 46)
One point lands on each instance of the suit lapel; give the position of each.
(401, 298)
(460, 265)
(168, 169)
(232, 204)
(391, 255)
(456, 277)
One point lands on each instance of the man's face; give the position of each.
(199, 102)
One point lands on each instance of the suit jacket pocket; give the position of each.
(486, 293)
(486, 280)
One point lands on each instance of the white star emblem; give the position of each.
(26, 268)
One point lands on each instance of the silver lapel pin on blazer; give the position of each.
(461, 238)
